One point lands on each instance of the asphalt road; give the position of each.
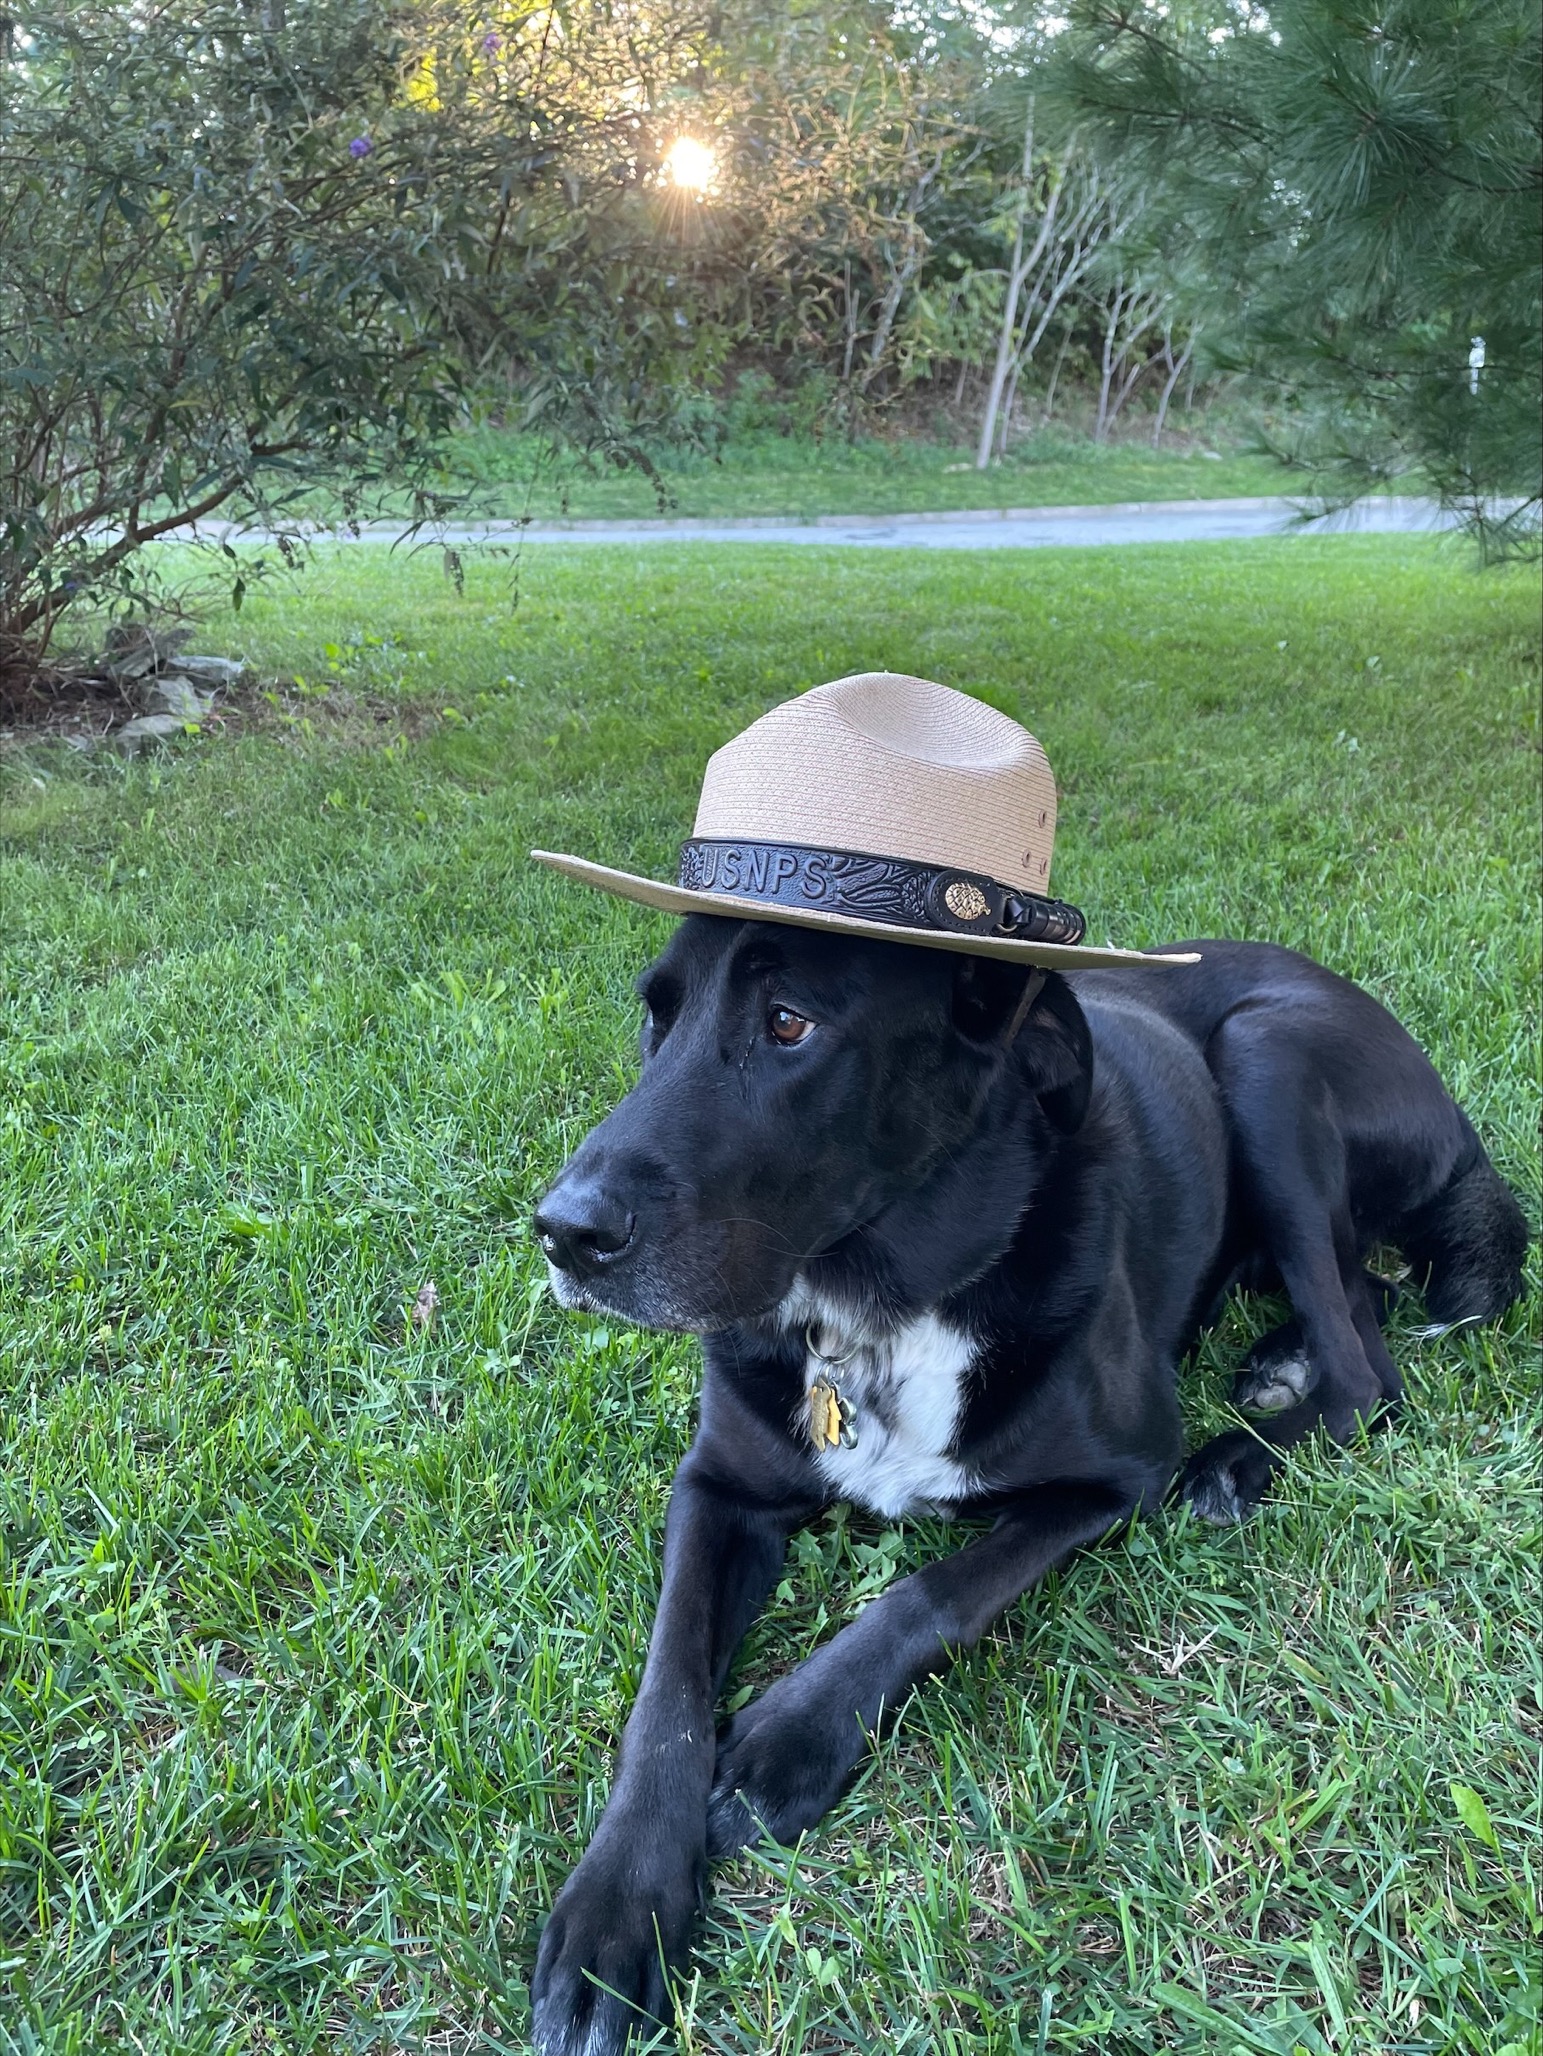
(1025, 528)
(1014, 528)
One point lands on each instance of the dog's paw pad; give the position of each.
(1273, 1386)
(1214, 1495)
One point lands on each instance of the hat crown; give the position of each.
(892, 766)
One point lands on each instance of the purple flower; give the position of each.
(361, 146)
(492, 41)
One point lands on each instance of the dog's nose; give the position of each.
(581, 1226)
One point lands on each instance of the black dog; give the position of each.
(947, 1252)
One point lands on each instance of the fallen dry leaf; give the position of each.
(422, 1311)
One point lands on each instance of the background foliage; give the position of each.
(245, 252)
(251, 251)
(1363, 181)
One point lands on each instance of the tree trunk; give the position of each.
(851, 325)
(1112, 313)
(1176, 367)
(889, 307)
(1117, 383)
(1055, 374)
(1008, 400)
(1067, 259)
(1018, 270)
(988, 425)
(1128, 380)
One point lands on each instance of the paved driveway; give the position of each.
(1019, 528)
(1014, 528)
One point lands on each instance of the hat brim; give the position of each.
(678, 899)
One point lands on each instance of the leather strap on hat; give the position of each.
(1034, 985)
(889, 890)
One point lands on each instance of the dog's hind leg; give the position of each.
(1371, 1300)
(1231, 1473)
(1278, 1373)
(1290, 1158)
(1355, 1379)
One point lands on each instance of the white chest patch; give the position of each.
(903, 1391)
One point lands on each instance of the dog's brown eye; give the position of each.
(786, 1027)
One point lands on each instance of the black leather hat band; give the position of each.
(889, 890)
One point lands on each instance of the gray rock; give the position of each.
(132, 662)
(134, 649)
(171, 693)
(148, 731)
(212, 670)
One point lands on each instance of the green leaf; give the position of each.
(1474, 1815)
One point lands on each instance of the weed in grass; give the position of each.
(318, 1621)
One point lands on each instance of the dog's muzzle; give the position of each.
(581, 1228)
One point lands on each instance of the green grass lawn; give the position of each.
(317, 1627)
(789, 475)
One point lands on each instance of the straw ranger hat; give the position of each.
(882, 806)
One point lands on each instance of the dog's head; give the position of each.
(796, 1087)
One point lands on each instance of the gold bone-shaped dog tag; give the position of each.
(824, 1415)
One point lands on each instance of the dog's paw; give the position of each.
(733, 1823)
(607, 1954)
(1270, 1383)
(1226, 1479)
(1213, 1493)
(778, 1773)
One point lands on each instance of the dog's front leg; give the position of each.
(784, 1761)
(623, 1920)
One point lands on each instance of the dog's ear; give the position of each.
(987, 994)
(1050, 1043)
(1056, 1051)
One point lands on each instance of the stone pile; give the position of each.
(170, 691)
